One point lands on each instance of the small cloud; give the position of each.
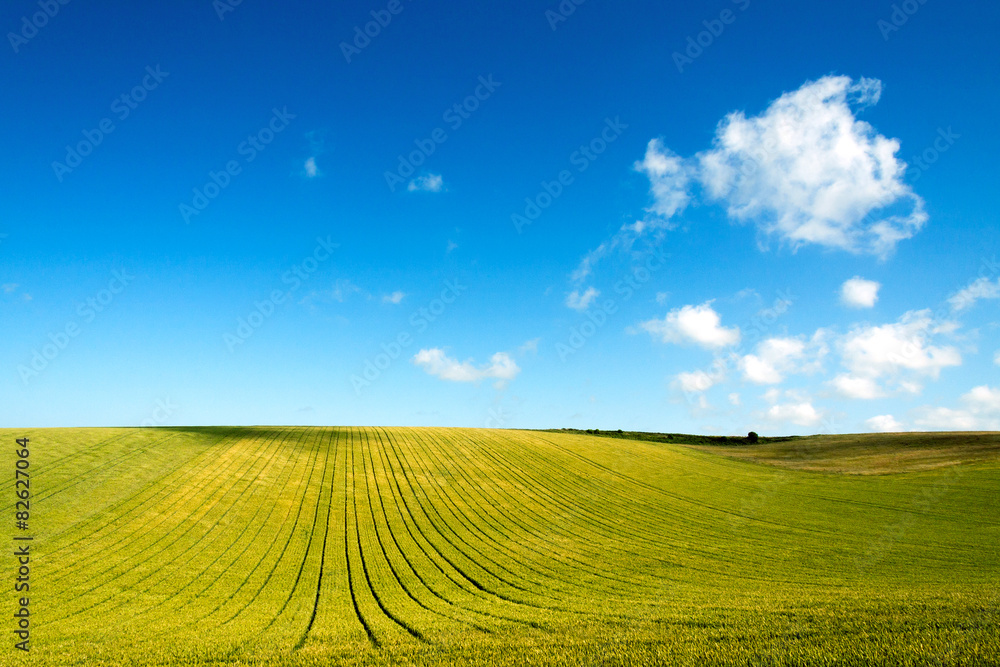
(395, 298)
(317, 146)
(697, 324)
(435, 362)
(28, 297)
(859, 293)
(428, 183)
(662, 298)
(696, 382)
(581, 302)
(996, 358)
(734, 399)
(310, 169)
(8, 288)
(529, 346)
(884, 424)
(339, 293)
(451, 246)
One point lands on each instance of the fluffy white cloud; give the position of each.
(395, 298)
(428, 183)
(773, 358)
(887, 351)
(734, 399)
(800, 414)
(884, 424)
(996, 358)
(980, 411)
(983, 288)
(435, 362)
(857, 387)
(805, 171)
(669, 179)
(859, 293)
(696, 324)
(581, 301)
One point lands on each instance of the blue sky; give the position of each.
(714, 217)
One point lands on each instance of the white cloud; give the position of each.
(310, 168)
(669, 180)
(696, 382)
(395, 298)
(996, 358)
(800, 414)
(428, 183)
(8, 287)
(859, 293)
(983, 288)
(857, 387)
(734, 399)
(887, 351)
(696, 324)
(773, 359)
(805, 171)
(884, 424)
(980, 411)
(435, 362)
(581, 302)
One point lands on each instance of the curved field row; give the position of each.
(307, 546)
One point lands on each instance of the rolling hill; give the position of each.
(312, 546)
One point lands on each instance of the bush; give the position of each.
(752, 437)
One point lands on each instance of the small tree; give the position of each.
(752, 437)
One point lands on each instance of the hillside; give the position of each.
(429, 545)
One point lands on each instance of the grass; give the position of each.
(312, 546)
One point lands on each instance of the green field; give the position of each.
(316, 546)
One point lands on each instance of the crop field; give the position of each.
(318, 546)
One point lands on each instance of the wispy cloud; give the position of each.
(966, 298)
(428, 183)
(311, 170)
(395, 298)
(317, 147)
(581, 301)
(529, 346)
